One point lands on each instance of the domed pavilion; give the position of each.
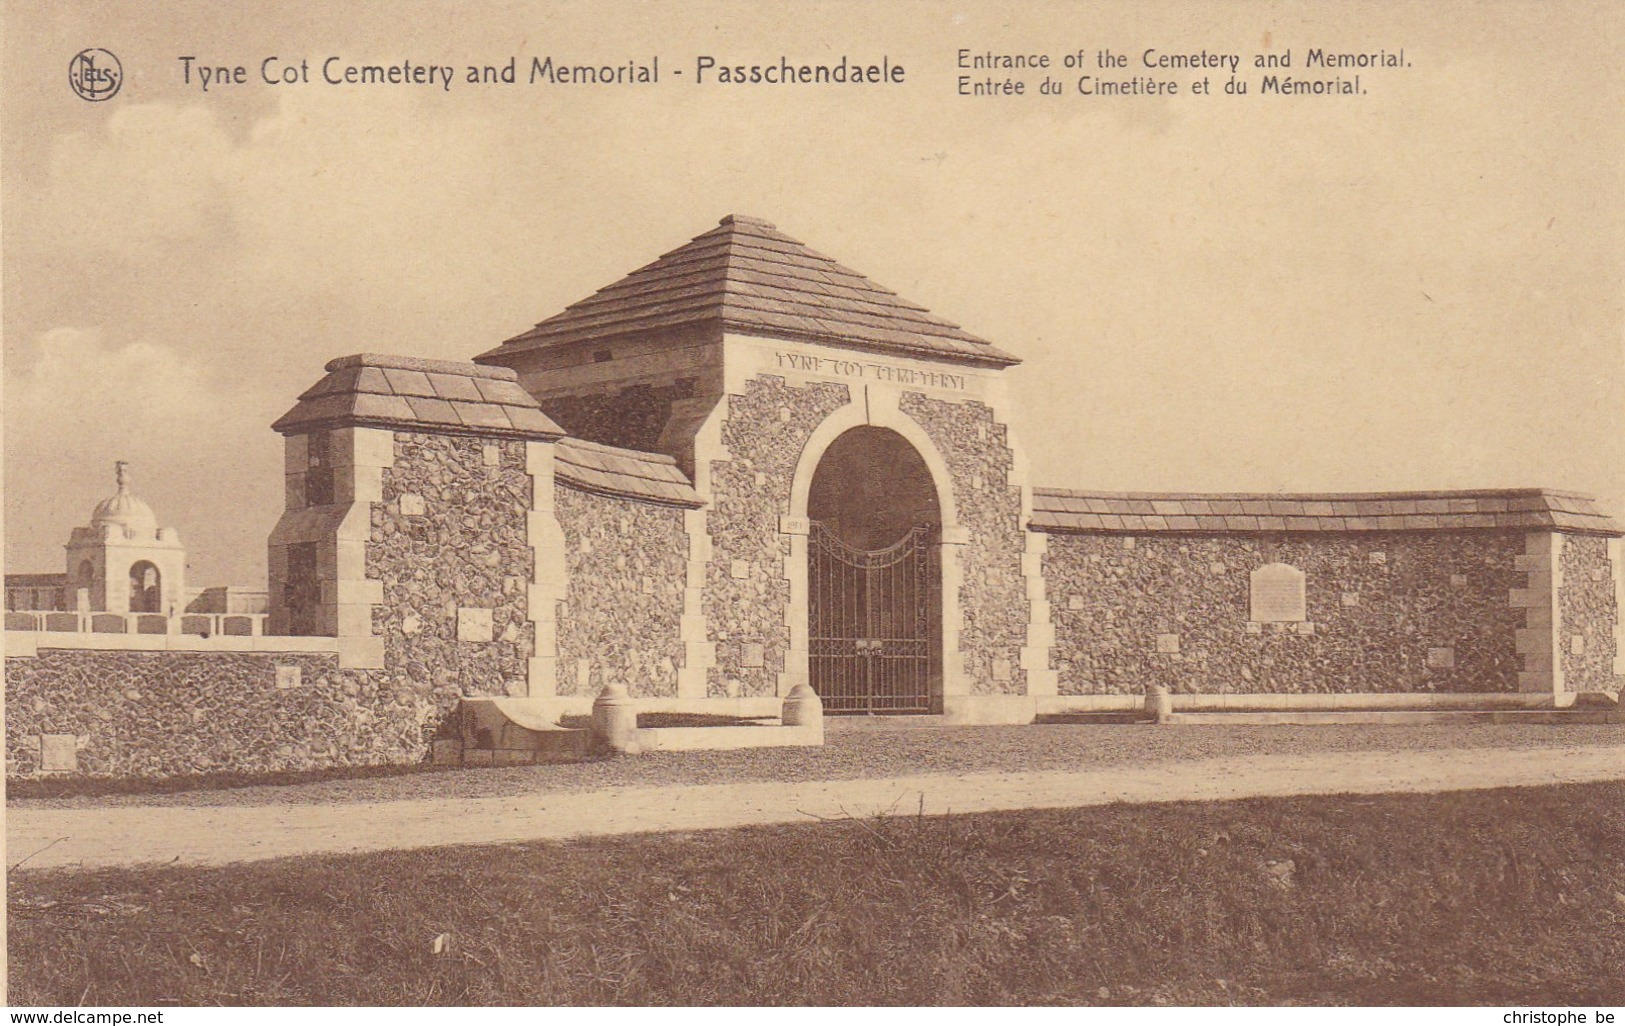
(123, 562)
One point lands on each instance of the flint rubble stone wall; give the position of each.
(1586, 608)
(449, 539)
(746, 594)
(632, 418)
(1393, 612)
(621, 617)
(158, 714)
(993, 596)
(468, 549)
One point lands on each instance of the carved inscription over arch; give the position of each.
(870, 370)
(1277, 594)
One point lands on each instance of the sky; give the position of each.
(1416, 288)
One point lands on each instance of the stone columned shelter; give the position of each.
(120, 563)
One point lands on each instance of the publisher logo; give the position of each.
(95, 74)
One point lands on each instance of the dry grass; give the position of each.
(1506, 897)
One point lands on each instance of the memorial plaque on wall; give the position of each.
(59, 753)
(1277, 594)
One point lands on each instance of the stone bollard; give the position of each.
(803, 708)
(1159, 705)
(615, 719)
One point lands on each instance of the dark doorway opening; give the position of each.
(146, 591)
(874, 577)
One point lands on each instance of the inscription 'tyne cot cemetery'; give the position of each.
(869, 371)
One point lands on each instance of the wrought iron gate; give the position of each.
(872, 623)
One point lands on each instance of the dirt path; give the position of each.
(220, 834)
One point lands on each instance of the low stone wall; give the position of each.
(620, 622)
(159, 713)
(201, 625)
(1384, 612)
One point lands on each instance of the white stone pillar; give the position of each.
(1542, 671)
(1616, 559)
(1042, 682)
(954, 681)
(359, 457)
(797, 659)
(699, 651)
(550, 580)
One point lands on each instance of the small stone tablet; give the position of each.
(473, 624)
(1277, 594)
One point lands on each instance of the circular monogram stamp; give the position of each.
(95, 74)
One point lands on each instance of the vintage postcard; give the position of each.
(947, 502)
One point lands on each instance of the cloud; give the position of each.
(1379, 278)
(318, 193)
(76, 401)
(117, 389)
(157, 177)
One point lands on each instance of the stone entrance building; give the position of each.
(798, 393)
(745, 467)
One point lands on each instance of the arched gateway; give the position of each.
(874, 577)
(862, 527)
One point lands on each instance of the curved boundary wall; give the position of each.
(443, 541)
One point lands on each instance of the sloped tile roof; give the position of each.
(748, 277)
(628, 473)
(405, 392)
(1060, 511)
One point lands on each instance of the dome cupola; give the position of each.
(125, 510)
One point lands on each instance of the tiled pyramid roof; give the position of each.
(1059, 511)
(405, 392)
(604, 469)
(746, 276)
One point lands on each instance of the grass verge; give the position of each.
(1502, 897)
